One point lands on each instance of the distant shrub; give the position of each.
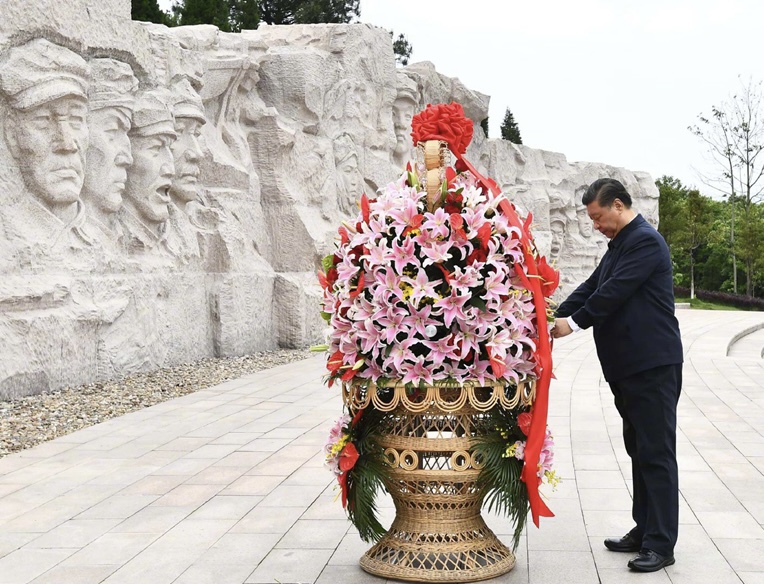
(736, 300)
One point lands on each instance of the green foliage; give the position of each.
(216, 12)
(149, 11)
(244, 14)
(367, 477)
(509, 129)
(237, 15)
(503, 491)
(401, 48)
(484, 125)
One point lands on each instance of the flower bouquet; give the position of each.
(438, 307)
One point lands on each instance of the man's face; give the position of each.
(49, 142)
(403, 112)
(109, 158)
(606, 219)
(150, 176)
(186, 153)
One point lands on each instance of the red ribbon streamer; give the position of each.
(540, 408)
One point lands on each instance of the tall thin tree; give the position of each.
(734, 137)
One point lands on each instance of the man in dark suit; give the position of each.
(629, 302)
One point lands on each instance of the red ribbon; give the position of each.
(534, 283)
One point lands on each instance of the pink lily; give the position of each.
(416, 371)
(452, 306)
(419, 320)
(421, 287)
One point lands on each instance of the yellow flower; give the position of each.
(552, 478)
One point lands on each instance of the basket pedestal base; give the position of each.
(465, 551)
(438, 534)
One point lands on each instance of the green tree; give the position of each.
(670, 203)
(314, 11)
(696, 230)
(149, 11)
(509, 129)
(216, 12)
(244, 14)
(236, 15)
(402, 49)
(734, 136)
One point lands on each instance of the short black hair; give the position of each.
(605, 191)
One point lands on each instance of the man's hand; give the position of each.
(561, 328)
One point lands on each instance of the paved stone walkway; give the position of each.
(226, 486)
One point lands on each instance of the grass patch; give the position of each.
(704, 304)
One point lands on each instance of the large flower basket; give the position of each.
(438, 306)
(429, 440)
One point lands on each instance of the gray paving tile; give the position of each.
(744, 555)
(334, 574)
(154, 566)
(561, 567)
(204, 573)
(112, 549)
(226, 507)
(118, 506)
(240, 548)
(76, 533)
(188, 496)
(727, 524)
(253, 485)
(314, 534)
(268, 520)
(153, 520)
(24, 565)
(76, 574)
(290, 566)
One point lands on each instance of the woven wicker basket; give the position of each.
(438, 534)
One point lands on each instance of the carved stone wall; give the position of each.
(166, 194)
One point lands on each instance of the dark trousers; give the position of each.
(647, 403)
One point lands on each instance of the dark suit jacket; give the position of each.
(629, 300)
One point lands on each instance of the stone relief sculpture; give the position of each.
(145, 210)
(349, 179)
(142, 228)
(46, 132)
(560, 211)
(111, 99)
(186, 213)
(406, 104)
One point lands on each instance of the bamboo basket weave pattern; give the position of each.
(438, 534)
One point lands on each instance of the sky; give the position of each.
(612, 81)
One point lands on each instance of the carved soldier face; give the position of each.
(557, 224)
(403, 112)
(150, 177)
(108, 159)
(584, 223)
(349, 178)
(186, 153)
(49, 143)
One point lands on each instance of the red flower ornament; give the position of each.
(445, 122)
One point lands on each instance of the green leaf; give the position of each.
(413, 180)
(327, 263)
(478, 303)
(327, 316)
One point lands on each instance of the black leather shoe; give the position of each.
(649, 561)
(627, 543)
